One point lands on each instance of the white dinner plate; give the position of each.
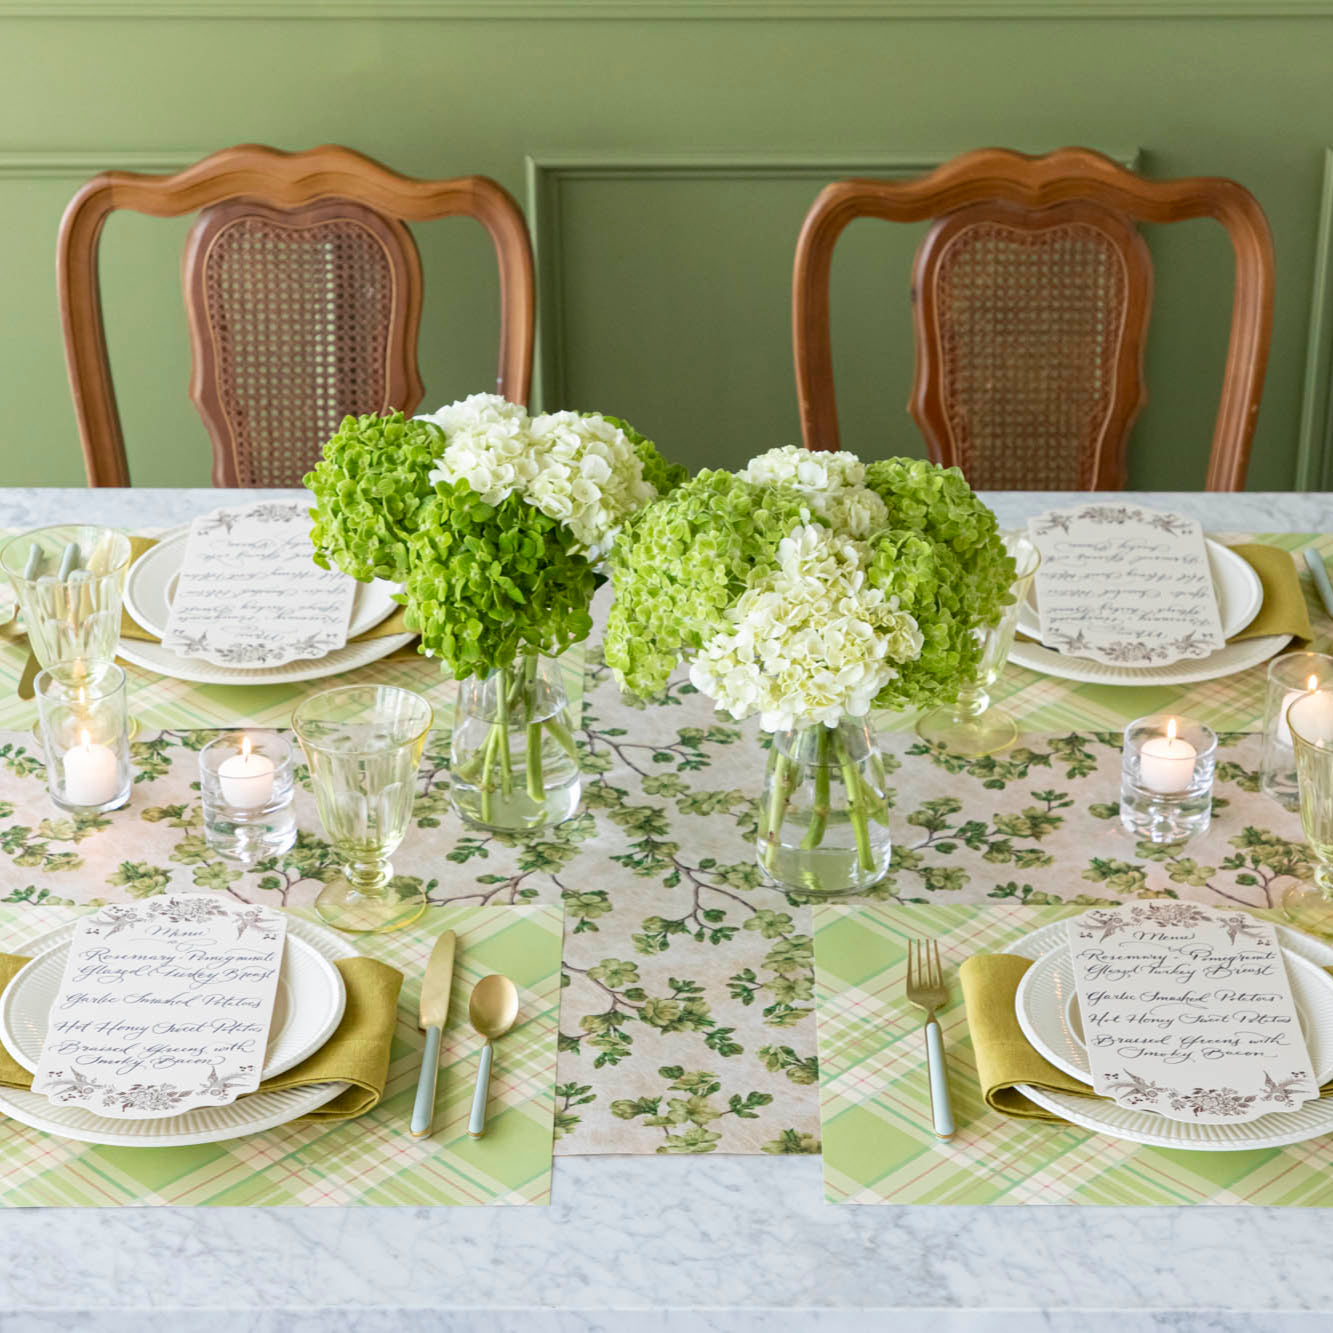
(1311, 1121)
(307, 1006)
(148, 589)
(204, 1124)
(150, 586)
(1239, 591)
(1048, 1012)
(1240, 596)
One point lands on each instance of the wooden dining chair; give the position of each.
(1031, 293)
(303, 295)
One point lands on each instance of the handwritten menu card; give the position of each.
(1125, 585)
(1188, 1011)
(250, 594)
(164, 1005)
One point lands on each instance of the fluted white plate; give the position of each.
(148, 590)
(1048, 1011)
(1239, 598)
(204, 1124)
(1239, 592)
(1311, 1121)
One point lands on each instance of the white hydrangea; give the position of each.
(808, 469)
(809, 642)
(833, 483)
(580, 470)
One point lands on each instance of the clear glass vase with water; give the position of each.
(514, 762)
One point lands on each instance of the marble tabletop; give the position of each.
(642, 1244)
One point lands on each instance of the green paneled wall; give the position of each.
(672, 161)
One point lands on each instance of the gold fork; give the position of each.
(926, 990)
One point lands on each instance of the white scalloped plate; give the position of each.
(203, 1124)
(1048, 1013)
(1313, 1120)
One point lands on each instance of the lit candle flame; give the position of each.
(1171, 728)
(1312, 684)
(245, 747)
(85, 740)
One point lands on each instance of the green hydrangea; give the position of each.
(682, 562)
(943, 558)
(486, 581)
(369, 489)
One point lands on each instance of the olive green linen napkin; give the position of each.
(393, 624)
(1005, 1057)
(357, 1053)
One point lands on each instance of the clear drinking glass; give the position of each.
(513, 764)
(823, 817)
(76, 615)
(363, 744)
(970, 726)
(1289, 677)
(84, 728)
(1310, 721)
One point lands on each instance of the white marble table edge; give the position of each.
(726, 1243)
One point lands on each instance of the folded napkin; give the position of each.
(1005, 1057)
(393, 624)
(357, 1053)
(1284, 609)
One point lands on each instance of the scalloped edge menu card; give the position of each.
(1188, 1011)
(164, 1005)
(1125, 585)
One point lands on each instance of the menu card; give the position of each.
(250, 594)
(1188, 1011)
(1125, 585)
(164, 1005)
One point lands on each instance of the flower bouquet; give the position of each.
(810, 588)
(495, 523)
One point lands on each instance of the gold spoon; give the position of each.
(491, 1011)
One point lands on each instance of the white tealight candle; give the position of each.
(1166, 763)
(246, 779)
(90, 773)
(1323, 713)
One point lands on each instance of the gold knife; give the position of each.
(26, 681)
(434, 1011)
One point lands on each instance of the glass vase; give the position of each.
(514, 765)
(823, 817)
(972, 726)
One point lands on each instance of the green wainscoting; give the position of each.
(666, 153)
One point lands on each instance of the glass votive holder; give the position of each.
(84, 727)
(1289, 678)
(1166, 778)
(245, 778)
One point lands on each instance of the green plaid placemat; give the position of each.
(875, 1103)
(1234, 703)
(373, 1159)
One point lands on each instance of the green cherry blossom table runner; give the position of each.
(372, 1159)
(687, 1022)
(875, 1102)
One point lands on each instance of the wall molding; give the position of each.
(660, 10)
(548, 173)
(1314, 447)
(85, 163)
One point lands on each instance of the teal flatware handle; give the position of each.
(941, 1109)
(476, 1122)
(423, 1109)
(1316, 564)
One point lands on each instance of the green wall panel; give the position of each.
(672, 288)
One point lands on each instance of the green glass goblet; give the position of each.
(363, 744)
